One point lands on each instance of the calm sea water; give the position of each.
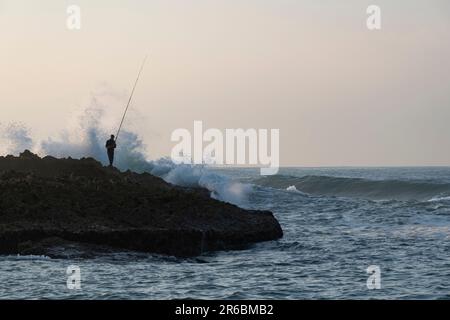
(337, 222)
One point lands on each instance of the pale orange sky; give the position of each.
(339, 93)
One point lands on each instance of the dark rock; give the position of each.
(61, 207)
(27, 154)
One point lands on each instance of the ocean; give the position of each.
(337, 222)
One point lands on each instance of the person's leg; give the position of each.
(111, 158)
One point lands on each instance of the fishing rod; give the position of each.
(129, 100)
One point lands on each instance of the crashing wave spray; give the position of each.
(16, 138)
(87, 138)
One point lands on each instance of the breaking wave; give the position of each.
(87, 139)
(360, 188)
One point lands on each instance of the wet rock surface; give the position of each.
(61, 207)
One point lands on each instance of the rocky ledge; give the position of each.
(47, 203)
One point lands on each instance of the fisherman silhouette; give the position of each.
(110, 146)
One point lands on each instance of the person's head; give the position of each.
(112, 137)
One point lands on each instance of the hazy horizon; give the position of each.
(341, 95)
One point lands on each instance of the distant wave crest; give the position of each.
(360, 188)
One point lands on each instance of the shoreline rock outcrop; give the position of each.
(48, 202)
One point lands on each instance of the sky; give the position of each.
(340, 94)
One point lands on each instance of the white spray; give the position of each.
(87, 139)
